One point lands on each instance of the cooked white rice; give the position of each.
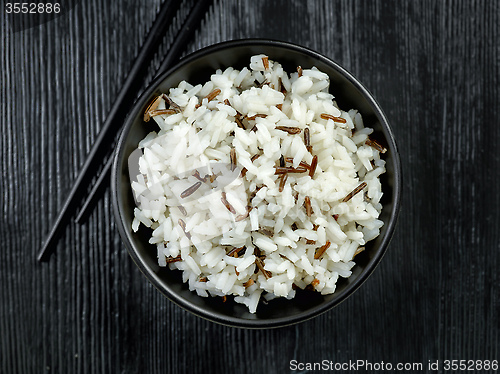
(277, 234)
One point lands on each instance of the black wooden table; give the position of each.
(434, 68)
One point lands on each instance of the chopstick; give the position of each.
(96, 190)
(114, 121)
(185, 34)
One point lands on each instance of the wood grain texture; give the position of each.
(432, 65)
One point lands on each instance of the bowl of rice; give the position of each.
(256, 183)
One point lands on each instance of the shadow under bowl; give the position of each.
(197, 68)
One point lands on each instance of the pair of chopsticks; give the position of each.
(102, 145)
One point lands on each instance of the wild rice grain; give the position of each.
(190, 190)
(280, 170)
(239, 123)
(171, 104)
(373, 143)
(248, 283)
(171, 259)
(233, 158)
(254, 157)
(182, 224)
(226, 203)
(307, 203)
(333, 118)
(260, 265)
(157, 112)
(290, 130)
(243, 216)
(265, 62)
(319, 252)
(353, 192)
(358, 251)
(307, 139)
(150, 108)
(234, 252)
(183, 210)
(212, 95)
(285, 258)
(258, 115)
(301, 164)
(314, 164)
(266, 232)
(283, 178)
(196, 174)
(263, 84)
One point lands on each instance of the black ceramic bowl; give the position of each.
(197, 68)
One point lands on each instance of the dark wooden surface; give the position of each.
(434, 68)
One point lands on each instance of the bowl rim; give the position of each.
(272, 322)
